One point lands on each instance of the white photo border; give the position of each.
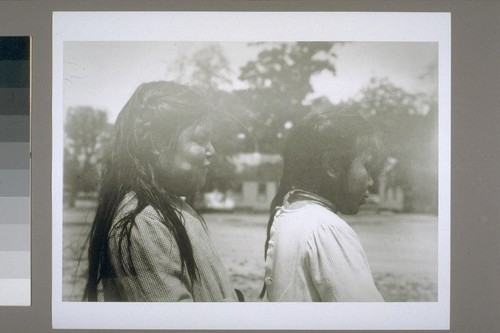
(242, 27)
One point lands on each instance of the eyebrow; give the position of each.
(201, 131)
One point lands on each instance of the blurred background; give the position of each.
(259, 91)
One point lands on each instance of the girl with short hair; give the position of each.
(312, 254)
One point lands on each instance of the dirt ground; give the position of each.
(401, 249)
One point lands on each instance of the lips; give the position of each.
(205, 167)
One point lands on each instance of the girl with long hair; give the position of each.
(146, 242)
(312, 254)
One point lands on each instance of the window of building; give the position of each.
(262, 189)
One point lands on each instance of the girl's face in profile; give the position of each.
(186, 170)
(355, 186)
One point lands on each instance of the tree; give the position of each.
(86, 132)
(279, 81)
(207, 68)
(287, 67)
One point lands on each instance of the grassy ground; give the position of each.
(401, 249)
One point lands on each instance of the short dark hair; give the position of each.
(342, 135)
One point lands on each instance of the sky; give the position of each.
(105, 74)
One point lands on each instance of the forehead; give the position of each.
(363, 155)
(369, 148)
(197, 130)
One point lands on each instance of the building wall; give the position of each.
(255, 195)
(391, 197)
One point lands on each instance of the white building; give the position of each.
(256, 181)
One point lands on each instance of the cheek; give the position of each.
(357, 180)
(190, 158)
(197, 155)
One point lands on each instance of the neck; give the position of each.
(299, 194)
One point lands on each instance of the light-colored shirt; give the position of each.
(315, 256)
(160, 276)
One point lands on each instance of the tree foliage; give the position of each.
(206, 68)
(86, 132)
(279, 81)
(287, 68)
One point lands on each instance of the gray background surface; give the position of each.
(475, 239)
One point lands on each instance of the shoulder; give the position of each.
(150, 238)
(149, 223)
(149, 217)
(309, 224)
(333, 235)
(319, 225)
(315, 216)
(146, 228)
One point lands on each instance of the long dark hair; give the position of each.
(343, 136)
(150, 121)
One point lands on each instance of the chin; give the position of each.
(200, 185)
(196, 188)
(187, 192)
(349, 210)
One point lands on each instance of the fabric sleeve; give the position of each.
(338, 266)
(159, 274)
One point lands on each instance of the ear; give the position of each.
(330, 166)
(155, 156)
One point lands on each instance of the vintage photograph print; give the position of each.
(212, 177)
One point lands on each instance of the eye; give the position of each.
(202, 140)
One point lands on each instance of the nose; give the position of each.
(370, 181)
(210, 150)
